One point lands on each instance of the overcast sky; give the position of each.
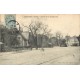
(66, 24)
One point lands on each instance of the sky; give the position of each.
(67, 24)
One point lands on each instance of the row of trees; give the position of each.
(36, 28)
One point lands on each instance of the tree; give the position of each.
(59, 37)
(45, 32)
(35, 28)
(78, 39)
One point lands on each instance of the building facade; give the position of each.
(72, 41)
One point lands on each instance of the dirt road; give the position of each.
(50, 56)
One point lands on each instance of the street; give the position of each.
(50, 56)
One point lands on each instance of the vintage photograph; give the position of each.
(39, 39)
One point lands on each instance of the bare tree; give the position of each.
(37, 27)
(45, 32)
(78, 39)
(34, 28)
(59, 36)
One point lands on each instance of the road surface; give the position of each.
(50, 56)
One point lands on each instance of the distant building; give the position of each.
(72, 41)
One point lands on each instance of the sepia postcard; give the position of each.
(39, 39)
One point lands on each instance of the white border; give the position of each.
(36, 72)
(44, 72)
(40, 6)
